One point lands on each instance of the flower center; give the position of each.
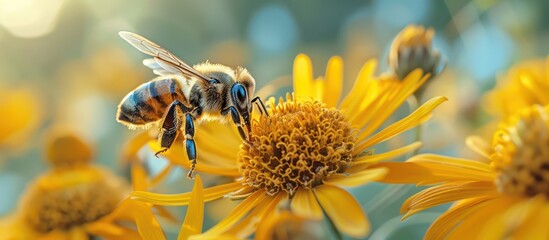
(298, 145)
(522, 155)
(67, 198)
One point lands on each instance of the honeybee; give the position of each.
(185, 94)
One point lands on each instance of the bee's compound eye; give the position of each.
(214, 81)
(241, 94)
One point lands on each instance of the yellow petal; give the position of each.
(512, 218)
(478, 145)
(530, 82)
(195, 212)
(318, 89)
(125, 234)
(334, 81)
(446, 193)
(357, 179)
(55, 235)
(374, 158)
(457, 162)
(78, 233)
(141, 214)
(247, 226)
(133, 145)
(417, 117)
(473, 224)
(352, 102)
(343, 209)
(104, 229)
(182, 199)
(369, 104)
(363, 82)
(429, 173)
(139, 177)
(304, 204)
(241, 193)
(447, 221)
(216, 150)
(13, 226)
(128, 235)
(215, 237)
(163, 212)
(303, 76)
(535, 226)
(147, 226)
(407, 88)
(237, 214)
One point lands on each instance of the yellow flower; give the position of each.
(524, 85)
(411, 49)
(309, 147)
(75, 200)
(22, 113)
(503, 198)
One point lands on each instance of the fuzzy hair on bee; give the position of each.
(182, 95)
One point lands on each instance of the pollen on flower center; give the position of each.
(298, 145)
(62, 200)
(522, 155)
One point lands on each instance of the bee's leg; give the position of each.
(257, 100)
(189, 142)
(170, 128)
(236, 119)
(161, 151)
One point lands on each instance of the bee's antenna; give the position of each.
(260, 105)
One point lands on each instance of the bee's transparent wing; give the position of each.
(157, 69)
(163, 58)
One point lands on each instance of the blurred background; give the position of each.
(62, 63)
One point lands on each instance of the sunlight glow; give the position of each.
(29, 18)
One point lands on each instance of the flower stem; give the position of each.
(413, 104)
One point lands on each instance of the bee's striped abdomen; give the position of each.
(148, 102)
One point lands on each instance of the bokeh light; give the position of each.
(29, 18)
